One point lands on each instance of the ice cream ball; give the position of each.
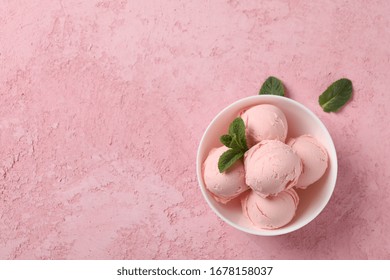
(271, 212)
(227, 185)
(264, 122)
(314, 159)
(271, 166)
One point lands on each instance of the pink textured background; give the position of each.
(103, 104)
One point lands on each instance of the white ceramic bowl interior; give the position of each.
(300, 121)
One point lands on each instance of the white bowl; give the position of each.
(300, 121)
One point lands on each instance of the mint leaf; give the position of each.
(236, 141)
(272, 86)
(235, 145)
(241, 137)
(336, 95)
(227, 159)
(226, 139)
(236, 125)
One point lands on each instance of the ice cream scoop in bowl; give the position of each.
(301, 121)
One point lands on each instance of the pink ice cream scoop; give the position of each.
(271, 167)
(264, 122)
(227, 185)
(314, 159)
(271, 212)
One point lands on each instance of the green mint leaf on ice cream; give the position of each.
(336, 95)
(226, 140)
(227, 159)
(241, 134)
(236, 125)
(236, 141)
(235, 145)
(237, 128)
(272, 86)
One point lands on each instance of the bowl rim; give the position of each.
(283, 230)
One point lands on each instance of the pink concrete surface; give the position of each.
(103, 104)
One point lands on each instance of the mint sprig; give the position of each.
(228, 158)
(272, 86)
(336, 95)
(226, 139)
(236, 141)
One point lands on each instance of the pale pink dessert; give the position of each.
(264, 122)
(314, 159)
(271, 167)
(271, 212)
(227, 185)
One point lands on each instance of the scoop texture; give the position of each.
(314, 159)
(264, 122)
(271, 167)
(272, 212)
